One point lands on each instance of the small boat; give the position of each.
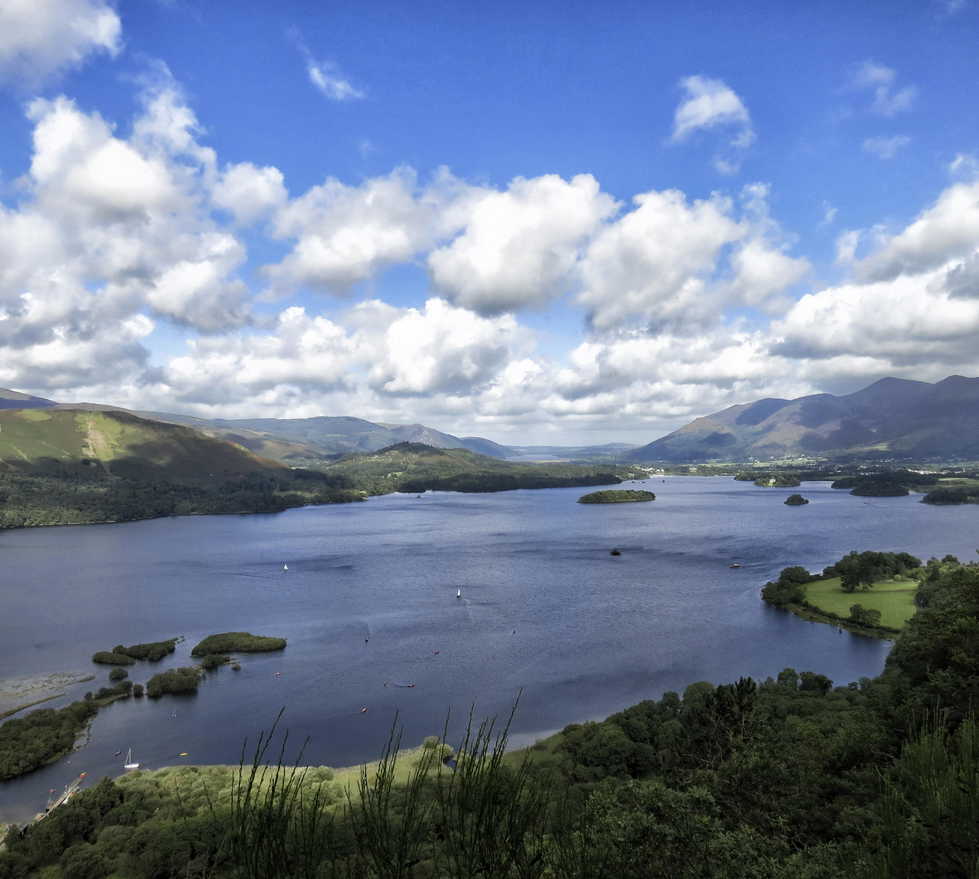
(615, 552)
(130, 763)
(458, 593)
(183, 754)
(363, 710)
(734, 565)
(285, 567)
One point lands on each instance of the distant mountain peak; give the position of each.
(891, 418)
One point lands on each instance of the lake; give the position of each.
(369, 600)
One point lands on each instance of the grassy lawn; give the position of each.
(893, 598)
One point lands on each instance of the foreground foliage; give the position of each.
(786, 778)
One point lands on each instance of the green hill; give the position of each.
(414, 467)
(118, 443)
(63, 466)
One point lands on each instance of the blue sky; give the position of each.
(547, 222)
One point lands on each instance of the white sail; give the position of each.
(129, 764)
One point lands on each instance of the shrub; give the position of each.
(117, 674)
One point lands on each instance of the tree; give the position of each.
(864, 616)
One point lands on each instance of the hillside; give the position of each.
(63, 466)
(413, 467)
(118, 443)
(307, 441)
(892, 418)
(16, 400)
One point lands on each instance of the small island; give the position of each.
(796, 500)
(237, 642)
(617, 496)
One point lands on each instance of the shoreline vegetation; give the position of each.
(86, 492)
(16, 694)
(45, 735)
(789, 777)
(869, 593)
(617, 496)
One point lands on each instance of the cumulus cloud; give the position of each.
(879, 81)
(652, 264)
(519, 246)
(346, 234)
(111, 234)
(710, 104)
(250, 193)
(885, 147)
(377, 351)
(442, 349)
(39, 38)
(946, 230)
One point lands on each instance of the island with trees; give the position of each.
(237, 642)
(617, 496)
(796, 500)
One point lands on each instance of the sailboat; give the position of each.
(129, 764)
(458, 593)
(285, 567)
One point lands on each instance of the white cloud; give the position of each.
(39, 38)
(909, 320)
(847, 243)
(885, 147)
(346, 234)
(330, 82)
(946, 230)
(829, 214)
(965, 166)
(879, 81)
(325, 76)
(520, 246)
(653, 263)
(709, 104)
(250, 193)
(442, 349)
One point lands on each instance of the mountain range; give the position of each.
(892, 418)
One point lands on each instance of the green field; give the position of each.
(893, 598)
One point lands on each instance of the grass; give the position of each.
(893, 598)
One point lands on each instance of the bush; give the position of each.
(138, 690)
(118, 674)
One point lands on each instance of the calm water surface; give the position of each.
(370, 596)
